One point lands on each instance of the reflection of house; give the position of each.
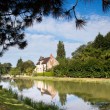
(45, 64)
(45, 89)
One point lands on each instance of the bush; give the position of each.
(44, 74)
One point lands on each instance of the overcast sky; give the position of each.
(43, 38)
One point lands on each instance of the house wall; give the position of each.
(51, 63)
(40, 68)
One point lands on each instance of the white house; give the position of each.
(45, 64)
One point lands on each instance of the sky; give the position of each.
(43, 38)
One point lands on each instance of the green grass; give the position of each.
(8, 102)
(40, 105)
(49, 74)
(90, 80)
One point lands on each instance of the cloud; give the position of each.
(43, 38)
(66, 30)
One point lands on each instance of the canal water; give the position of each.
(67, 95)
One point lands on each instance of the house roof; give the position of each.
(44, 60)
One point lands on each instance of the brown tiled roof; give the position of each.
(45, 60)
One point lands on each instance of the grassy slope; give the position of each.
(7, 102)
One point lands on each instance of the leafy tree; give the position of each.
(99, 41)
(20, 65)
(28, 67)
(91, 60)
(5, 68)
(16, 15)
(78, 51)
(107, 41)
(29, 70)
(14, 71)
(61, 54)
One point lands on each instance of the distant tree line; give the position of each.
(22, 68)
(91, 60)
(5, 68)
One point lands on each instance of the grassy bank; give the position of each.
(92, 80)
(8, 101)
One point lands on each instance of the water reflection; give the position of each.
(44, 88)
(68, 95)
(23, 84)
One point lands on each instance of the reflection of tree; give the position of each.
(87, 91)
(62, 98)
(102, 105)
(24, 84)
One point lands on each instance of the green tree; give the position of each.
(61, 54)
(5, 68)
(29, 70)
(91, 60)
(107, 41)
(99, 42)
(28, 67)
(78, 51)
(14, 71)
(20, 65)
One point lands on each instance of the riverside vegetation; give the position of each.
(88, 61)
(8, 102)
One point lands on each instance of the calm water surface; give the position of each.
(67, 95)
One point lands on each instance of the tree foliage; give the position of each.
(16, 15)
(25, 67)
(28, 67)
(91, 60)
(14, 71)
(5, 68)
(61, 54)
(20, 65)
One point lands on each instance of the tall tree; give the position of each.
(78, 51)
(107, 41)
(20, 65)
(61, 54)
(99, 41)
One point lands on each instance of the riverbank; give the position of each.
(7, 102)
(90, 80)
